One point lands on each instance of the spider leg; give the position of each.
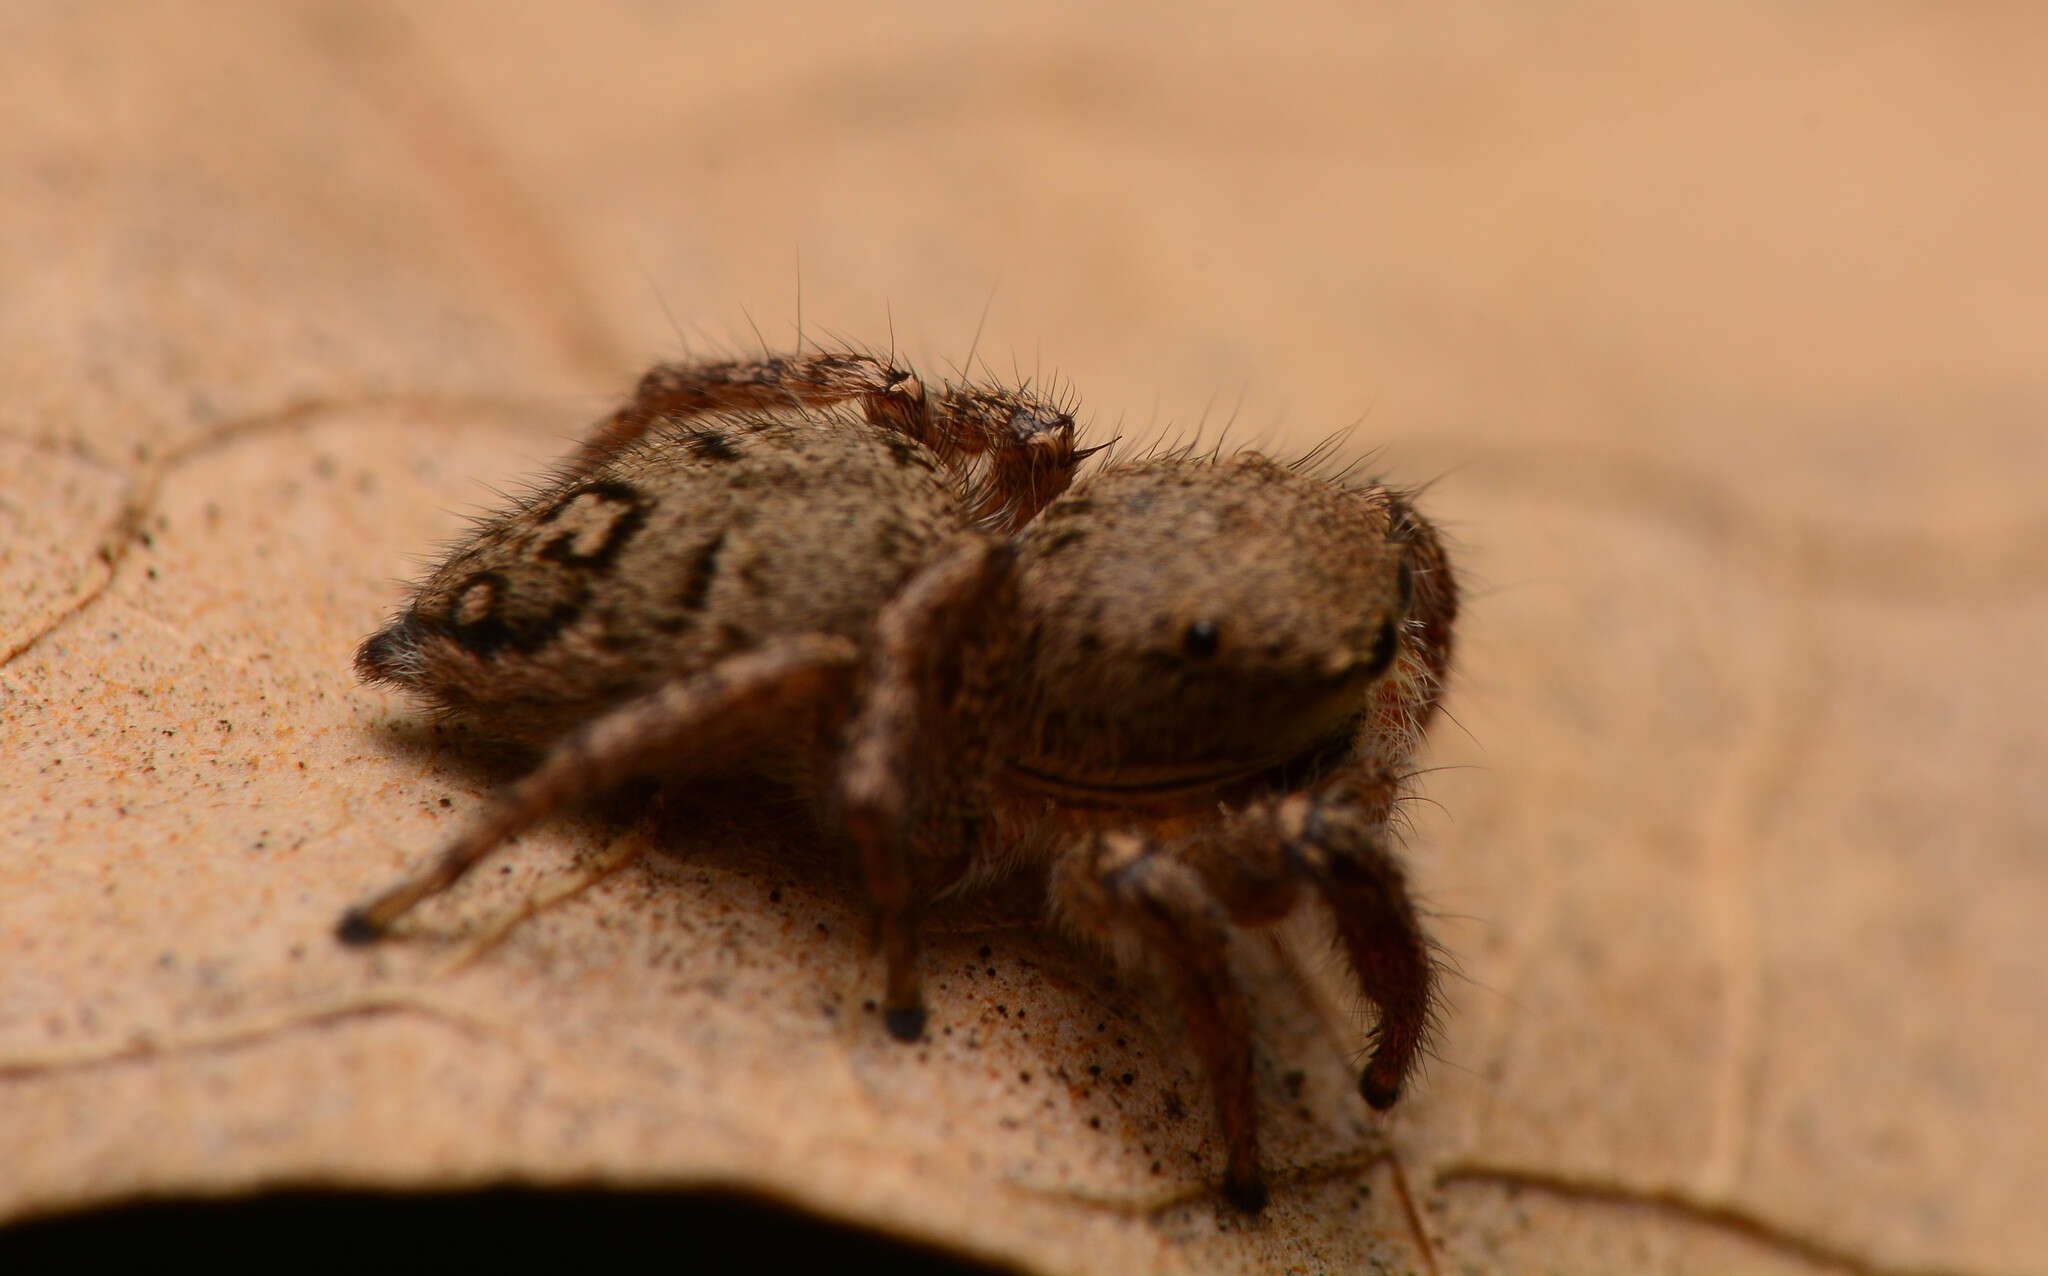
(679, 720)
(1333, 836)
(1119, 887)
(1027, 444)
(914, 674)
(1336, 836)
(1247, 868)
(889, 396)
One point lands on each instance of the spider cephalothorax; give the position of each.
(1187, 691)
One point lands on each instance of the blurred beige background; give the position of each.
(1718, 326)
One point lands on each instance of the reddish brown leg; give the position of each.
(1028, 446)
(918, 640)
(1337, 835)
(1334, 836)
(1391, 955)
(671, 725)
(1017, 452)
(889, 396)
(1121, 885)
(1246, 869)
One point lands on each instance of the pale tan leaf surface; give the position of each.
(1722, 327)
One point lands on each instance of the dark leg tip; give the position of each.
(356, 929)
(1247, 1193)
(905, 1023)
(1380, 1096)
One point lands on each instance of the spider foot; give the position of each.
(1380, 1094)
(1246, 1191)
(1380, 1083)
(358, 928)
(905, 1023)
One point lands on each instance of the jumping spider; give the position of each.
(1186, 690)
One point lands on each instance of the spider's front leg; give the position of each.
(1334, 836)
(1120, 887)
(1246, 869)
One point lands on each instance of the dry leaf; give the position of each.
(1722, 323)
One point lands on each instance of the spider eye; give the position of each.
(1201, 639)
(1385, 646)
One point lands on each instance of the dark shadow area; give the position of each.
(508, 1229)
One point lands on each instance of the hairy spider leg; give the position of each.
(1018, 450)
(666, 727)
(910, 681)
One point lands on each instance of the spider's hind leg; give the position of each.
(1015, 449)
(890, 397)
(1025, 444)
(674, 724)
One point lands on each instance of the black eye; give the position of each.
(1200, 640)
(1385, 646)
